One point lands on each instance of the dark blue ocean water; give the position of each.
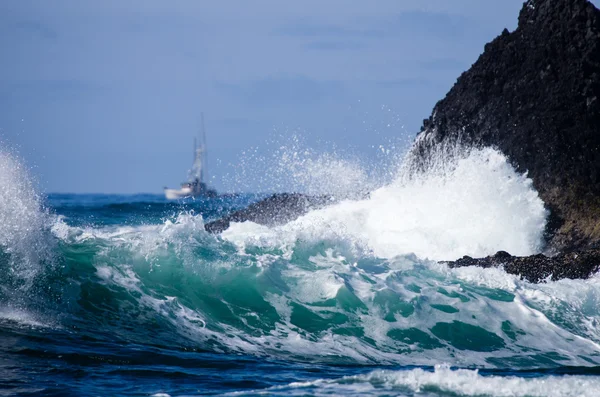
(106, 295)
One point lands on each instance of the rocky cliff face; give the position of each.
(535, 95)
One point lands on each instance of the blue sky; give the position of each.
(106, 96)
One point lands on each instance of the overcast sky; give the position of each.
(105, 96)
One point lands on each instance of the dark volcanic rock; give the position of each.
(277, 209)
(535, 95)
(537, 268)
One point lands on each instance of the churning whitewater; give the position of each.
(472, 203)
(346, 299)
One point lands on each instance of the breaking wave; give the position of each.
(353, 283)
(26, 248)
(443, 381)
(472, 203)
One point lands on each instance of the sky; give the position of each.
(106, 96)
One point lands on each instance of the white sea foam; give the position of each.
(350, 267)
(357, 250)
(556, 321)
(23, 222)
(24, 318)
(443, 382)
(475, 205)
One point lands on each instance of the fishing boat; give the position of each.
(195, 185)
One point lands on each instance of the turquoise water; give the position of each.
(134, 298)
(129, 296)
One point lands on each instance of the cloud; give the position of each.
(297, 90)
(444, 64)
(334, 45)
(309, 28)
(420, 23)
(55, 90)
(108, 74)
(409, 83)
(415, 23)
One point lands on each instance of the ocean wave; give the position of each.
(353, 283)
(314, 303)
(443, 381)
(470, 203)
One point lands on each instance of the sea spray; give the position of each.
(350, 283)
(288, 163)
(178, 286)
(25, 244)
(470, 203)
(442, 381)
(346, 299)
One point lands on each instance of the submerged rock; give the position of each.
(536, 268)
(274, 210)
(535, 95)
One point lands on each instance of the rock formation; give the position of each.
(277, 209)
(535, 95)
(536, 268)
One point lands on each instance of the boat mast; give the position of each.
(203, 144)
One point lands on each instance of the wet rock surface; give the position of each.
(274, 210)
(537, 268)
(535, 95)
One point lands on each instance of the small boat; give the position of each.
(195, 186)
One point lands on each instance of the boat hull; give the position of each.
(174, 194)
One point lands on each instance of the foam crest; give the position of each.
(444, 381)
(316, 303)
(471, 204)
(23, 319)
(351, 283)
